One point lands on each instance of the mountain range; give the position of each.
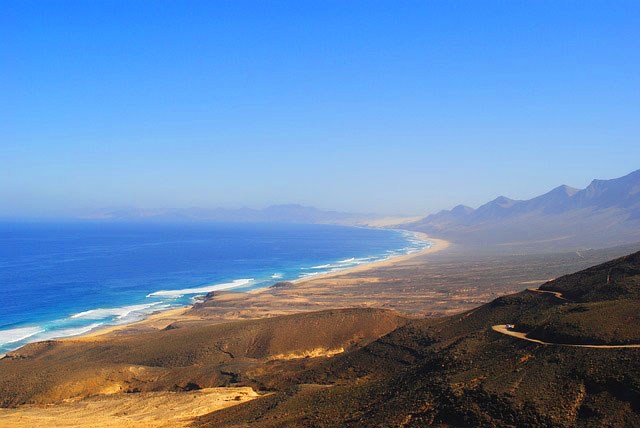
(605, 213)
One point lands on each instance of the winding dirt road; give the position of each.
(553, 293)
(502, 328)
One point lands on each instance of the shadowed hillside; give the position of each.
(457, 371)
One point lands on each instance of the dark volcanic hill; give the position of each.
(458, 371)
(604, 214)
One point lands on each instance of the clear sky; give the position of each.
(376, 106)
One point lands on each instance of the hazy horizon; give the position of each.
(359, 107)
(103, 213)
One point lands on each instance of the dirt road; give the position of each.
(502, 328)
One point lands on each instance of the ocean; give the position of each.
(64, 279)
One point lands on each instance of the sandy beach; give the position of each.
(280, 304)
(437, 245)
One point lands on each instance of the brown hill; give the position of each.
(182, 357)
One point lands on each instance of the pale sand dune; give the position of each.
(151, 409)
(390, 221)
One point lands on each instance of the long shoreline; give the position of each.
(436, 246)
(162, 318)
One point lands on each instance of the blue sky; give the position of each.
(377, 106)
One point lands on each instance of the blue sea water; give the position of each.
(64, 279)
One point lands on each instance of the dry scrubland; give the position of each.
(154, 409)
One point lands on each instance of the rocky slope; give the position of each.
(457, 371)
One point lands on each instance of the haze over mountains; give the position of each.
(606, 213)
(285, 213)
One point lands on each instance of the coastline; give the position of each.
(437, 245)
(155, 321)
(163, 318)
(103, 281)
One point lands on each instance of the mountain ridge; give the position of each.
(605, 213)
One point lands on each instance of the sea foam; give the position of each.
(18, 334)
(201, 290)
(121, 312)
(56, 334)
(328, 265)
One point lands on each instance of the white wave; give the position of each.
(67, 332)
(121, 312)
(328, 265)
(18, 334)
(200, 290)
(276, 276)
(138, 315)
(306, 275)
(355, 261)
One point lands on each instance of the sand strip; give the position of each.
(150, 409)
(437, 245)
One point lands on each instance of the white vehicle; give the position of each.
(510, 326)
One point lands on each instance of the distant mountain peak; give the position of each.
(503, 201)
(629, 178)
(564, 189)
(461, 209)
